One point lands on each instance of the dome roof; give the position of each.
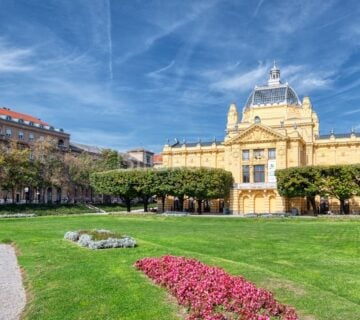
(274, 92)
(279, 94)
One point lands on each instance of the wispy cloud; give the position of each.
(258, 6)
(110, 45)
(158, 72)
(351, 112)
(13, 59)
(243, 81)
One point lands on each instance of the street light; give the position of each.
(26, 189)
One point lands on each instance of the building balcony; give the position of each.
(255, 185)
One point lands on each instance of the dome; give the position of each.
(274, 92)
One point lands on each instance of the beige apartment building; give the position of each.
(26, 129)
(274, 130)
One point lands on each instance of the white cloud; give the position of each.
(242, 82)
(15, 59)
(351, 112)
(157, 72)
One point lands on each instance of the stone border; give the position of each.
(85, 240)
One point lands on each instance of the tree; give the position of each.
(300, 182)
(341, 183)
(179, 181)
(110, 160)
(16, 171)
(144, 180)
(116, 183)
(79, 169)
(208, 183)
(163, 185)
(50, 161)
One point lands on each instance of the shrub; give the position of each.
(210, 293)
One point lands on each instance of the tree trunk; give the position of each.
(163, 203)
(313, 205)
(146, 201)
(199, 201)
(128, 204)
(13, 194)
(342, 206)
(181, 203)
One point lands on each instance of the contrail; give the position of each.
(109, 39)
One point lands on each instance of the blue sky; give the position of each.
(127, 73)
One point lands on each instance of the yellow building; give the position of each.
(276, 130)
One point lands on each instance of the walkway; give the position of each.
(12, 292)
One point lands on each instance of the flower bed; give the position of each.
(210, 293)
(100, 239)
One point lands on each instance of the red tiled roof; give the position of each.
(157, 158)
(18, 115)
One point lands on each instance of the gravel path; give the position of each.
(12, 293)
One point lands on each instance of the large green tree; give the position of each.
(207, 183)
(17, 170)
(163, 185)
(144, 181)
(340, 182)
(300, 182)
(119, 183)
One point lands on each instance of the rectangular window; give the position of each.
(245, 155)
(21, 135)
(272, 153)
(246, 174)
(31, 137)
(258, 153)
(259, 173)
(8, 132)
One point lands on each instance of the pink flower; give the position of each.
(212, 294)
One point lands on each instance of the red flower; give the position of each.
(212, 294)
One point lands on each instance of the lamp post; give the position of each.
(26, 189)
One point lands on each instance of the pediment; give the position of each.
(257, 133)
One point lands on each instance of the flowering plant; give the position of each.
(210, 293)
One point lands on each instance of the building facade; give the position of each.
(276, 130)
(26, 129)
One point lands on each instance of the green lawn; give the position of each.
(45, 209)
(311, 264)
(116, 207)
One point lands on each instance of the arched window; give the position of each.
(257, 119)
(60, 143)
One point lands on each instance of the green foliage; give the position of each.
(110, 160)
(200, 183)
(16, 170)
(341, 182)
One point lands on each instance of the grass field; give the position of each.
(311, 264)
(45, 209)
(116, 207)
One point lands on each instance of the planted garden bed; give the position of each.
(100, 239)
(212, 294)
